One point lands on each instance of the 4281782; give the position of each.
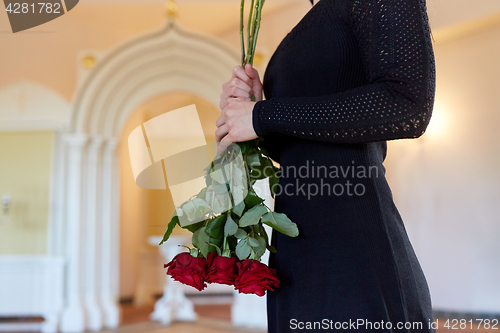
(461, 324)
(41, 7)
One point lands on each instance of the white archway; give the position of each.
(167, 60)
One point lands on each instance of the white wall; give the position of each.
(447, 183)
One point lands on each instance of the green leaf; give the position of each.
(231, 227)
(267, 166)
(256, 172)
(189, 209)
(194, 227)
(246, 147)
(253, 159)
(218, 176)
(253, 242)
(203, 240)
(171, 225)
(216, 248)
(240, 234)
(243, 249)
(239, 192)
(221, 200)
(263, 151)
(216, 226)
(263, 233)
(281, 223)
(202, 193)
(194, 239)
(179, 212)
(205, 243)
(220, 189)
(239, 208)
(260, 248)
(208, 179)
(252, 199)
(252, 216)
(194, 210)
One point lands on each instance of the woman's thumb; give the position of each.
(251, 72)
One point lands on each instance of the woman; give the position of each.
(351, 75)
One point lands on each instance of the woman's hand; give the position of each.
(235, 122)
(244, 82)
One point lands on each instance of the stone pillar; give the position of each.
(57, 217)
(73, 317)
(110, 235)
(92, 244)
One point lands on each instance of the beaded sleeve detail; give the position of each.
(394, 39)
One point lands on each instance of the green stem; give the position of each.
(249, 32)
(242, 40)
(256, 30)
(252, 39)
(226, 251)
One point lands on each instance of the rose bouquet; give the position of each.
(227, 217)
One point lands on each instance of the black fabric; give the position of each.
(351, 75)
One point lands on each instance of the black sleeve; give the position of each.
(394, 40)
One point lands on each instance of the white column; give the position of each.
(110, 235)
(173, 305)
(92, 244)
(73, 318)
(55, 229)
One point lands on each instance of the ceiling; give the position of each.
(193, 14)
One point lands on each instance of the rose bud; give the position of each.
(221, 269)
(255, 277)
(188, 270)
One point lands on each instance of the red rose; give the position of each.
(188, 270)
(221, 269)
(255, 277)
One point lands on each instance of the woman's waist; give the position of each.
(298, 156)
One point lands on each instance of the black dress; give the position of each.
(350, 76)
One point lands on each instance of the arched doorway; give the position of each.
(144, 213)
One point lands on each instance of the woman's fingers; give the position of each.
(233, 92)
(253, 74)
(240, 72)
(220, 121)
(236, 83)
(223, 144)
(224, 102)
(238, 87)
(221, 132)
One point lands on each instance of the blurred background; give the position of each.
(77, 235)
